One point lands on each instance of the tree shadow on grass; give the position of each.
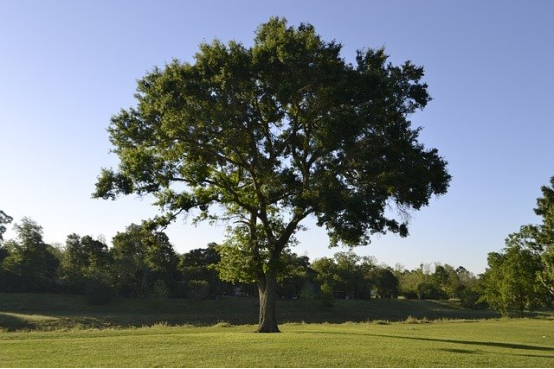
(513, 346)
(460, 351)
(474, 352)
(539, 356)
(10, 323)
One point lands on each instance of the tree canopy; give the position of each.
(30, 264)
(523, 275)
(274, 133)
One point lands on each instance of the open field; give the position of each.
(47, 311)
(39, 330)
(491, 343)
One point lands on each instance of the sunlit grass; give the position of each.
(492, 343)
(41, 330)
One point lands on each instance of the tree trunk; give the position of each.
(267, 288)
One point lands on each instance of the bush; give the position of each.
(326, 295)
(99, 292)
(160, 290)
(308, 291)
(197, 289)
(428, 290)
(470, 298)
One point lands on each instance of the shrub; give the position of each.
(160, 290)
(471, 298)
(99, 292)
(197, 289)
(326, 295)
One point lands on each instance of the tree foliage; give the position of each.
(84, 261)
(522, 277)
(4, 219)
(202, 265)
(141, 258)
(275, 133)
(545, 237)
(346, 274)
(510, 282)
(384, 283)
(30, 264)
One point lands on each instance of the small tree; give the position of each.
(524, 275)
(275, 133)
(510, 282)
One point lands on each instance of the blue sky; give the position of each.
(67, 66)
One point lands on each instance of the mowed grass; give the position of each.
(42, 330)
(490, 343)
(51, 311)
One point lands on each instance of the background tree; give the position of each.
(384, 283)
(294, 281)
(85, 260)
(527, 265)
(510, 281)
(545, 237)
(140, 258)
(325, 269)
(418, 283)
(447, 280)
(470, 289)
(4, 219)
(275, 133)
(352, 274)
(408, 282)
(201, 265)
(347, 274)
(546, 276)
(30, 264)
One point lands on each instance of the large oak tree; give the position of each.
(274, 133)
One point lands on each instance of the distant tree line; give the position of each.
(142, 263)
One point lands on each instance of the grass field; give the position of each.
(492, 343)
(63, 331)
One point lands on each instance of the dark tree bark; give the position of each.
(267, 288)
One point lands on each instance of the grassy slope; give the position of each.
(43, 311)
(491, 343)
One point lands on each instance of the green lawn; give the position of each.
(41, 330)
(491, 343)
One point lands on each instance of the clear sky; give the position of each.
(67, 66)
